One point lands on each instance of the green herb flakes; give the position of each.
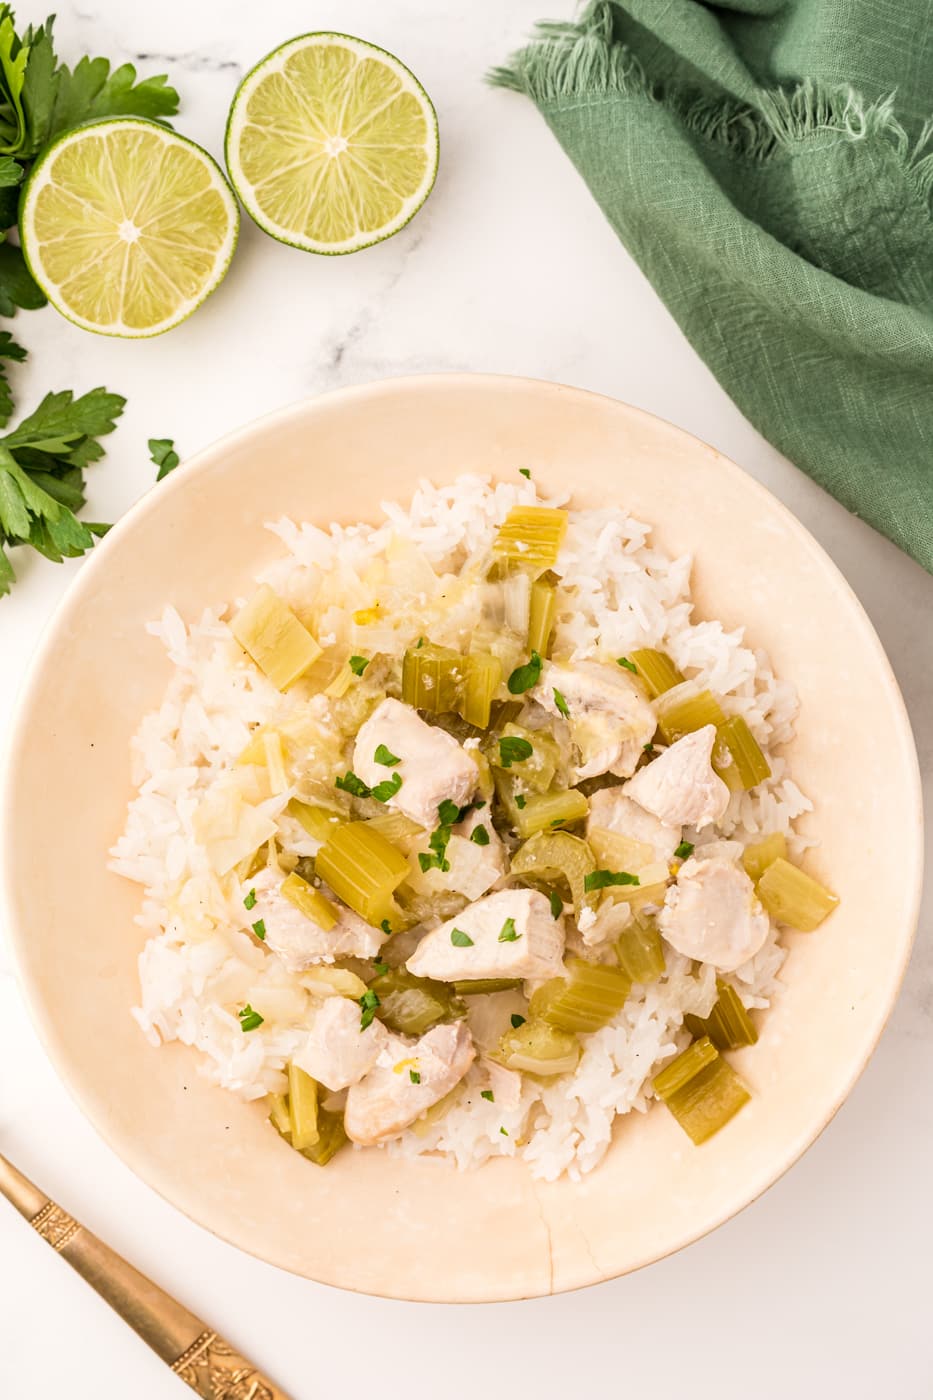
(460, 939)
(507, 933)
(358, 664)
(488, 1095)
(250, 900)
(249, 1019)
(600, 879)
(684, 850)
(414, 1076)
(383, 791)
(561, 703)
(557, 904)
(524, 677)
(512, 749)
(352, 784)
(259, 928)
(383, 756)
(629, 665)
(479, 836)
(516, 1020)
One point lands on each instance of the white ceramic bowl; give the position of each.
(417, 1229)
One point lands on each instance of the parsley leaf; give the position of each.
(414, 1076)
(368, 1002)
(448, 813)
(9, 350)
(684, 850)
(629, 665)
(507, 933)
(557, 904)
(383, 791)
(561, 704)
(259, 928)
(381, 968)
(250, 901)
(524, 677)
(520, 801)
(249, 1019)
(460, 939)
(358, 664)
(599, 879)
(17, 287)
(385, 757)
(523, 471)
(162, 451)
(513, 750)
(352, 784)
(516, 1020)
(488, 1095)
(479, 836)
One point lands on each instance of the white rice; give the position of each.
(198, 965)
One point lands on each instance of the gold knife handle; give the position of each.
(207, 1363)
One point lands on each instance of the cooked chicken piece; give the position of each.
(298, 940)
(611, 810)
(432, 765)
(597, 929)
(610, 719)
(679, 786)
(407, 1079)
(712, 914)
(509, 934)
(476, 865)
(504, 1084)
(337, 1052)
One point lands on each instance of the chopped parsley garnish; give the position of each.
(386, 926)
(561, 704)
(460, 939)
(648, 749)
(524, 677)
(368, 1001)
(684, 850)
(478, 803)
(380, 968)
(414, 1076)
(419, 644)
(599, 879)
(523, 471)
(520, 801)
(249, 1019)
(507, 933)
(629, 665)
(448, 813)
(259, 928)
(512, 749)
(383, 756)
(557, 905)
(383, 791)
(352, 784)
(488, 1095)
(250, 900)
(358, 664)
(517, 1020)
(479, 836)
(437, 858)
(504, 1132)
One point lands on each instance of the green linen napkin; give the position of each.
(768, 164)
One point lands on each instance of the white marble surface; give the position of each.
(821, 1288)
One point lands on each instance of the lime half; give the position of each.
(127, 226)
(331, 144)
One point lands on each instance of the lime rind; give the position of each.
(237, 119)
(40, 177)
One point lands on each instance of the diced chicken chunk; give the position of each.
(712, 914)
(509, 934)
(475, 866)
(337, 1052)
(298, 940)
(432, 765)
(679, 787)
(610, 719)
(611, 810)
(407, 1079)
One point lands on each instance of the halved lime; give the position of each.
(127, 226)
(331, 144)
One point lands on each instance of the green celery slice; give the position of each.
(541, 614)
(483, 677)
(270, 633)
(278, 1113)
(332, 1136)
(433, 678)
(685, 709)
(737, 757)
(302, 1108)
(640, 950)
(310, 902)
(585, 1001)
(656, 669)
(538, 1049)
(554, 855)
(545, 810)
(760, 854)
(728, 1025)
(531, 536)
(791, 896)
(701, 1090)
(485, 986)
(412, 1005)
(317, 821)
(363, 869)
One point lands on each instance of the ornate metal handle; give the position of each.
(196, 1354)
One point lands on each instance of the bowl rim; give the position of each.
(202, 460)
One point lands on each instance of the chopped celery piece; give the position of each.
(614, 851)
(554, 855)
(310, 902)
(363, 869)
(737, 758)
(302, 1107)
(791, 896)
(318, 822)
(483, 675)
(757, 857)
(487, 985)
(536, 768)
(545, 810)
(641, 953)
(412, 1005)
(537, 1048)
(701, 1090)
(585, 1000)
(657, 670)
(541, 614)
(278, 1113)
(271, 634)
(332, 1136)
(394, 826)
(728, 1025)
(432, 678)
(685, 709)
(326, 980)
(531, 535)
(275, 761)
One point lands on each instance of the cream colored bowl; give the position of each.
(420, 1230)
